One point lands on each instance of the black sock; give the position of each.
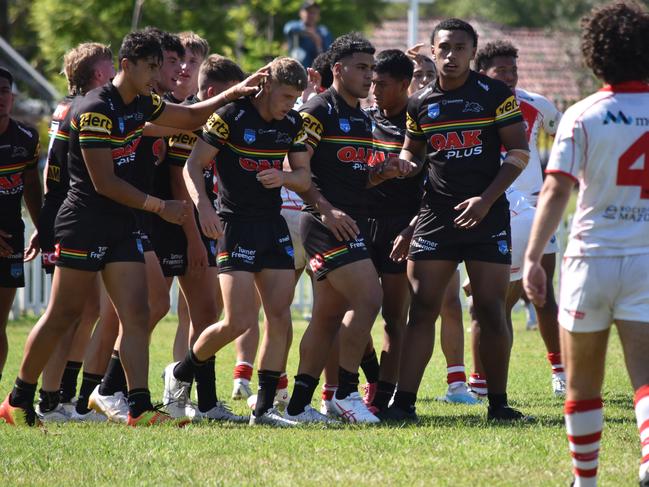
(268, 380)
(370, 367)
(139, 400)
(68, 387)
(186, 368)
(206, 385)
(497, 400)
(303, 390)
(88, 384)
(405, 400)
(114, 378)
(384, 391)
(22, 395)
(347, 383)
(48, 400)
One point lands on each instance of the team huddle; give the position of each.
(179, 165)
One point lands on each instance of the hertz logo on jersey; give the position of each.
(184, 141)
(412, 125)
(218, 127)
(95, 122)
(510, 105)
(312, 127)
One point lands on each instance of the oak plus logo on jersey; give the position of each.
(359, 157)
(126, 154)
(458, 144)
(257, 165)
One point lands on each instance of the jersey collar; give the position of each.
(628, 87)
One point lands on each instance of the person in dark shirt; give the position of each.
(86, 67)
(19, 149)
(334, 229)
(95, 225)
(458, 125)
(250, 139)
(306, 38)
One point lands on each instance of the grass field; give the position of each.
(451, 446)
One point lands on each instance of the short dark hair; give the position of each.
(614, 42)
(395, 63)
(455, 24)
(485, 56)
(347, 45)
(217, 69)
(322, 65)
(6, 74)
(168, 41)
(140, 45)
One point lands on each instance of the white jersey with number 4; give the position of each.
(538, 112)
(603, 144)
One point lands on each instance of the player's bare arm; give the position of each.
(33, 195)
(201, 156)
(100, 168)
(476, 208)
(552, 203)
(298, 179)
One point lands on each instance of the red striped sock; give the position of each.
(584, 422)
(283, 381)
(328, 391)
(478, 384)
(243, 370)
(455, 375)
(642, 415)
(556, 363)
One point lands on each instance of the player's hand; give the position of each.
(210, 222)
(341, 224)
(534, 282)
(32, 250)
(5, 248)
(401, 244)
(249, 86)
(475, 209)
(196, 256)
(413, 51)
(313, 84)
(175, 211)
(397, 168)
(271, 178)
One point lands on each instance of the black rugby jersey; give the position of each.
(401, 196)
(19, 150)
(247, 145)
(341, 137)
(179, 147)
(58, 179)
(102, 120)
(460, 128)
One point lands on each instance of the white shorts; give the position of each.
(521, 225)
(595, 291)
(292, 218)
(553, 246)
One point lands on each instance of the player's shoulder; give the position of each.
(421, 97)
(373, 112)
(293, 118)
(538, 101)
(321, 103)
(24, 132)
(593, 107)
(96, 100)
(489, 87)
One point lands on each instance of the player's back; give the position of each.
(603, 142)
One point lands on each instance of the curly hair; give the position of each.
(614, 42)
(322, 65)
(485, 56)
(349, 44)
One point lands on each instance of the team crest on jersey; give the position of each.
(433, 111)
(249, 136)
(503, 248)
(344, 125)
(471, 106)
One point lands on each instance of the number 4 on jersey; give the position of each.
(627, 175)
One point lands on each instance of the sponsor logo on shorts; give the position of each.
(358, 243)
(99, 254)
(284, 239)
(289, 251)
(578, 315)
(247, 256)
(213, 247)
(16, 270)
(503, 247)
(48, 258)
(422, 245)
(173, 260)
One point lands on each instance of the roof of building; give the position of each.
(548, 61)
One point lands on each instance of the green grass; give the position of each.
(451, 446)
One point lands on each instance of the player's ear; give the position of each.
(124, 64)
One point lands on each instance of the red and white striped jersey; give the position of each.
(291, 200)
(603, 144)
(538, 112)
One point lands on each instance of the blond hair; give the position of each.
(195, 43)
(79, 65)
(288, 71)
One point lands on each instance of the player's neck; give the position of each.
(261, 105)
(124, 87)
(181, 93)
(389, 112)
(4, 124)
(350, 99)
(449, 84)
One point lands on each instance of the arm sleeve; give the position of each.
(179, 147)
(567, 156)
(35, 149)
(299, 141)
(551, 116)
(413, 126)
(154, 107)
(507, 111)
(94, 124)
(312, 113)
(216, 131)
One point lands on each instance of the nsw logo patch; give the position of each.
(433, 111)
(344, 125)
(249, 136)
